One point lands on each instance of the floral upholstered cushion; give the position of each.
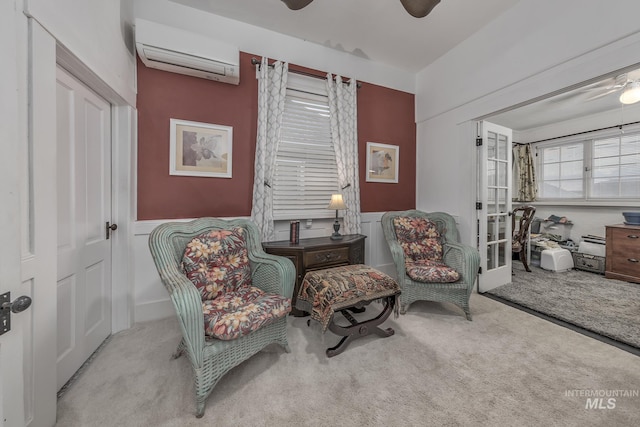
(425, 270)
(240, 312)
(419, 238)
(217, 262)
(323, 292)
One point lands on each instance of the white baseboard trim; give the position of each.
(155, 310)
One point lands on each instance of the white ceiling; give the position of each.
(594, 97)
(379, 30)
(382, 31)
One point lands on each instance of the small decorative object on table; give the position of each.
(631, 218)
(294, 232)
(336, 203)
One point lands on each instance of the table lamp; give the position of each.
(336, 203)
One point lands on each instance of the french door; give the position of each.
(494, 205)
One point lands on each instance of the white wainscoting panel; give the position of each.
(152, 301)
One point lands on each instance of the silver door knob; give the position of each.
(18, 305)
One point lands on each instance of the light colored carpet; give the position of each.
(590, 301)
(506, 367)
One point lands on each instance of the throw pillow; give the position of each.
(419, 238)
(217, 262)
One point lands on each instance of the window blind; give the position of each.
(305, 172)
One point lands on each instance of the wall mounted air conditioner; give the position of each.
(172, 49)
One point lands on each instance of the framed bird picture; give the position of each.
(382, 162)
(200, 149)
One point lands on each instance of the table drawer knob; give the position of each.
(632, 236)
(632, 260)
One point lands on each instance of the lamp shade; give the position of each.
(631, 93)
(336, 202)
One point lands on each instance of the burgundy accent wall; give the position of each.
(384, 115)
(387, 116)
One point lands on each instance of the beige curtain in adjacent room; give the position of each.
(344, 133)
(525, 173)
(272, 88)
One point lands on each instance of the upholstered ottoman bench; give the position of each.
(338, 289)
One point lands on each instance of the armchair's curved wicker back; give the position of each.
(444, 222)
(168, 241)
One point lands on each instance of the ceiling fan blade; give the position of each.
(600, 95)
(419, 8)
(296, 4)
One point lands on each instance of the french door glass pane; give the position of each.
(492, 257)
(491, 173)
(502, 254)
(502, 174)
(504, 149)
(502, 227)
(491, 145)
(492, 229)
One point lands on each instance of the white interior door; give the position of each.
(84, 208)
(494, 213)
(12, 410)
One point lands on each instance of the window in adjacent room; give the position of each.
(615, 169)
(561, 176)
(603, 167)
(306, 173)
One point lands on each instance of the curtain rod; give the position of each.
(255, 61)
(578, 133)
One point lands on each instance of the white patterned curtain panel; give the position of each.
(344, 132)
(526, 174)
(272, 88)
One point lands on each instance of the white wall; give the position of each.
(93, 32)
(535, 48)
(259, 41)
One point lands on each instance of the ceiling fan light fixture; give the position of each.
(631, 93)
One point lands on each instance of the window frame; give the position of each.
(587, 140)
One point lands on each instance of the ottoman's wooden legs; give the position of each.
(360, 329)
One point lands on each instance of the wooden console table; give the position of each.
(317, 253)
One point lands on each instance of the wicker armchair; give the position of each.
(464, 259)
(211, 358)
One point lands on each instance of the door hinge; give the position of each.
(478, 205)
(478, 142)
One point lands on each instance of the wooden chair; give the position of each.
(212, 357)
(522, 216)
